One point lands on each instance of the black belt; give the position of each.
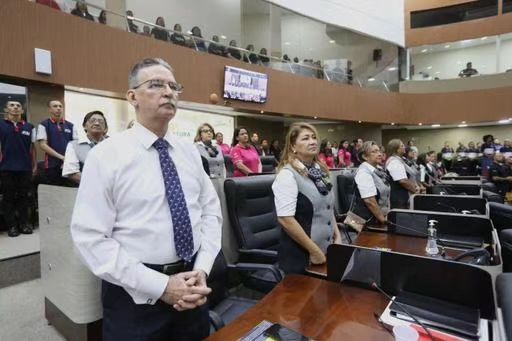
(173, 268)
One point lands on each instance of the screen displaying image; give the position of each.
(245, 85)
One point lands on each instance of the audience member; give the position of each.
(500, 174)
(17, 166)
(216, 48)
(344, 155)
(96, 127)
(53, 135)
(147, 220)
(349, 72)
(211, 154)
(255, 141)
(132, 27)
(146, 31)
(286, 58)
(233, 52)
(178, 38)
(265, 148)
(428, 176)
(245, 157)
(507, 146)
(197, 37)
(497, 145)
(358, 144)
(411, 145)
(403, 177)
(275, 150)
(471, 148)
(468, 71)
(371, 196)
(410, 158)
(461, 148)
(224, 147)
(81, 10)
(488, 150)
(263, 56)
(325, 154)
(159, 32)
(102, 18)
(304, 202)
(249, 56)
(296, 60)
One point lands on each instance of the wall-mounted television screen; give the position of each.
(245, 85)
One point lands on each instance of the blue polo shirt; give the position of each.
(57, 134)
(16, 144)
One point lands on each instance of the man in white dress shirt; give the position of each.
(147, 220)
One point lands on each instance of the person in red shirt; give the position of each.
(244, 155)
(344, 155)
(325, 154)
(224, 147)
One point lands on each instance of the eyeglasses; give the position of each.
(206, 131)
(96, 120)
(159, 85)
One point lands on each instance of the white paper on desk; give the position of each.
(387, 318)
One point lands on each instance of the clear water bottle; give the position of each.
(432, 249)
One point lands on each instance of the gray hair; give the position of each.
(133, 79)
(366, 149)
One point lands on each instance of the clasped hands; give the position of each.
(186, 290)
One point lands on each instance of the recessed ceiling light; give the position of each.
(262, 112)
(393, 68)
(371, 79)
(463, 122)
(504, 121)
(462, 125)
(359, 121)
(315, 117)
(287, 43)
(223, 37)
(447, 46)
(420, 124)
(424, 50)
(332, 41)
(436, 125)
(483, 38)
(392, 123)
(429, 67)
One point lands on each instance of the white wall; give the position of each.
(220, 17)
(377, 18)
(256, 31)
(119, 112)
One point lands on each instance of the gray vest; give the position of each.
(215, 164)
(81, 151)
(322, 209)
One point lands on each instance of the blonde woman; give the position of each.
(304, 202)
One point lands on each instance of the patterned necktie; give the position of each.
(183, 238)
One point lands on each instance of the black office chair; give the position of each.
(493, 197)
(504, 298)
(268, 164)
(501, 216)
(252, 213)
(346, 190)
(230, 168)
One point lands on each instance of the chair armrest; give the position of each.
(254, 266)
(257, 256)
(215, 320)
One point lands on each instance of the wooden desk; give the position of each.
(316, 308)
(395, 242)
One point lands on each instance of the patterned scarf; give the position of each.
(211, 149)
(315, 173)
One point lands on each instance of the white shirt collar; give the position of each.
(370, 167)
(147, 137)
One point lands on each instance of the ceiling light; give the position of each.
(392, 123)
(262, 112)
(463, 122)
(436, 125)
(483, 38)
(371, 79)
(287, 43)
(437, 72)
(359, 121)
(462, 125)
(393, 68)
(447, 46)
(429, 67)
(504, 121)
(332, 41)
(223, 37)
(420, 124)
(424, 50)
(315, 117)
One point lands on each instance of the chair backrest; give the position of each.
(252, 212)
(504, 298)
(268, 164)
(230, 168)
(493, 197)
(448, 203)
(346, 187)
(501, 216)
(455, 189)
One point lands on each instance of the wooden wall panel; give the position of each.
(495, 25)
(90, 55)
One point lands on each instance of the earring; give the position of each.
(294, 152)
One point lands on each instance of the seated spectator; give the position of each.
(507, 146)
(216, 49)
(263, 59)
(275, 149)
(286, 58)
(211, 155)
(349, 72)
(146, 31)
(344, 155)
(131, 25)
(198, 41)
(233, 52)
(325, 154)
(178, 38)
(81, 10)
(102, 18)
(500, 174)
(296, 60)
(244, 156)
(488, 150)
(160, 32)
(251, 57)
(224, 147)
(96, 127)
(461, 148)
(468, 71)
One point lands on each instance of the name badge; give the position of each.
(24, 132)
(67, 130)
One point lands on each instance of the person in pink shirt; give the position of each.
(344, 155)
(224, 147)
(325, 154)
(244, 156)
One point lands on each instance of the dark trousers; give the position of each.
(125, 320)
(15, 188)
(53, 176)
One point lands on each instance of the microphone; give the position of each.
(402, 307)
